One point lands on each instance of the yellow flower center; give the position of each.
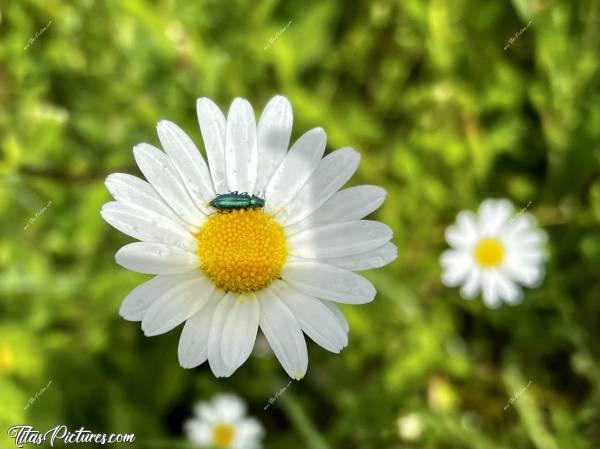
(489, 252)
(241, 250)
(223, 435)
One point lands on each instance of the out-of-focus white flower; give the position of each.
(410, 427)
(222, 424)
(493, 252)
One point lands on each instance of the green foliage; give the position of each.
(443, 116)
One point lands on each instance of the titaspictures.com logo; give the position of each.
(24, 434)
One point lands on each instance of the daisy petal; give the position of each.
(295, 169)
(249, 430)
(198, 432)
(328, 282)
(375, 258)
(533, 239)
(176, 305)
(489, 289)
(207, 412)
(212, 126)
(228, 408)
(315, 319)
(330, 175)
(273, 137)
(147, 226)
(349, 204)
(472, 284)
(188, 162)
(457, 265)
(240, 147)
(532, 257)
(239, 333)
(159, 171)
(215, 357)
(283, 334)
(156, 258)
(338, 314)
(340, 239)
(140, 298)
(529, 275)
(129, 189)
(493, 216)
(464, 233)
(508, 290)
(193, 343)
(517, 225)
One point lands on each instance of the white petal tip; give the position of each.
(202, 102)
(127, 316)
(353, 151)
(162, 124)
(370, 294)
(239, 100)
(188, 365)
(148, 333)
(140, 149)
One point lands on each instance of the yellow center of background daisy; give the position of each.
(489, 252)
(241, 250)
(223, 435)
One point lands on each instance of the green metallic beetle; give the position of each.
(235, 200)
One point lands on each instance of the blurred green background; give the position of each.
(444, 117)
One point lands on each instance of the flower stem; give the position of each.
(303, 423)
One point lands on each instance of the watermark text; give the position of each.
(24, 434)
(274, 398)
(35, 38)
(513, 39)
(37, 395)
(279, 33)
(516, 396)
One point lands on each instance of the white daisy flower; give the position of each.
(221, 424)
(494, 252)
(280, 267)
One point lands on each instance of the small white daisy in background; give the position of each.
(279, 263)
(222, 424)
(493, 252)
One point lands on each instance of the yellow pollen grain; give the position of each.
(223, 435)
(489, 252)
(242, 250)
